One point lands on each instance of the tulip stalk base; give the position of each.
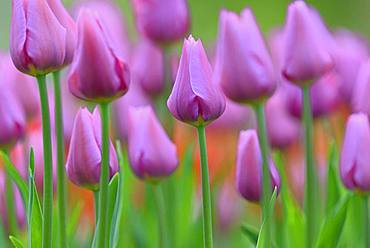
(10, 208)
(266, 180)
(61, 185)
(162, 216)
(310, 199)
(104, 179)
(48, 164)
(206, 191)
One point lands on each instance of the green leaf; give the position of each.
(333, 193)
(73, 220)
(16, 242)
(333, 225)
(262, 235)
(16, 177)
(251, 232)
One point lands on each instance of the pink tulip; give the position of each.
(355, 157)
(360, 96)
(84, 157)
(249, 167)
(163, 21)
(195, 99)
(98, 73)
(307, 54)
(243, 65)
(151, 153)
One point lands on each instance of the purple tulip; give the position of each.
(147, 67)
(244, 67)
(41, 36)
(135, 97)
(307, 55)
(360, 96)
(84, 157)
(350, 53)
(195, 99)
(151, 153)
(249, 167)
(228, 208)
(98, 73)
(355, 157)
(282, 128)
(162, 21)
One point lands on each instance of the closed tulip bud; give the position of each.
(243, 67)
(306, 53)
(98, 74)
(351, 51)
(355, 156)
(162, 21)
(151, 153)
(360, 97)
(195, 99)
(147, 67)
(282, 128)
(84, 157)
(249, 167)
(38, 39)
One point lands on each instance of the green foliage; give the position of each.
(16, 242)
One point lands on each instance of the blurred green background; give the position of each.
(269, 13)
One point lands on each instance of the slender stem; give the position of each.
(366, 221)
(206, 191)
(310, 202)
(266, 180)
(48, 162)
(61, 185)
(162, 217)
(104, 179)
(96, 206)
(10, 208)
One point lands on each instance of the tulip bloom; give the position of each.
(42, 36)
(249, 167)
(151, 153)
(194, 98)
(244, 67)
(84, 159)
(306, 46)
(355, 157)
(98, 74)
(162, 21)
(360, 97)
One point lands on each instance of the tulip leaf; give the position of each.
(73, 219)
(251, 233)
(113, 197)
(333, 225)
(16, 242)
(333, 193)
(16, 177)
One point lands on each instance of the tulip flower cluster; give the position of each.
(109, 157)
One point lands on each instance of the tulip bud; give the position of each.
(360, 97)
(162, 21)
(39, 37)
(98, 74)
(355, 156)
(244, 67)
(147, 67)
(306, 52)
(194, 98)
(249, 167)
(84, 157)
(151, 153)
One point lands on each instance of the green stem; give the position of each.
(10, 208)
(266, 180)
(366, 221)
(206, 191)
(310, 199)
(61, 185)
(104, 179)
(48, 165)
(96, 206)
(162, 217)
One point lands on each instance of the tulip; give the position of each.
(351, 51)
(98, 74)
(282, 128)
(360, 98)
(249, 167)
(194, 98)
(38, 39)
(228, 207)
(151, 153)
(243, 65)
(162, 21)
(147, 67)
(85, 158)
(307, 55)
